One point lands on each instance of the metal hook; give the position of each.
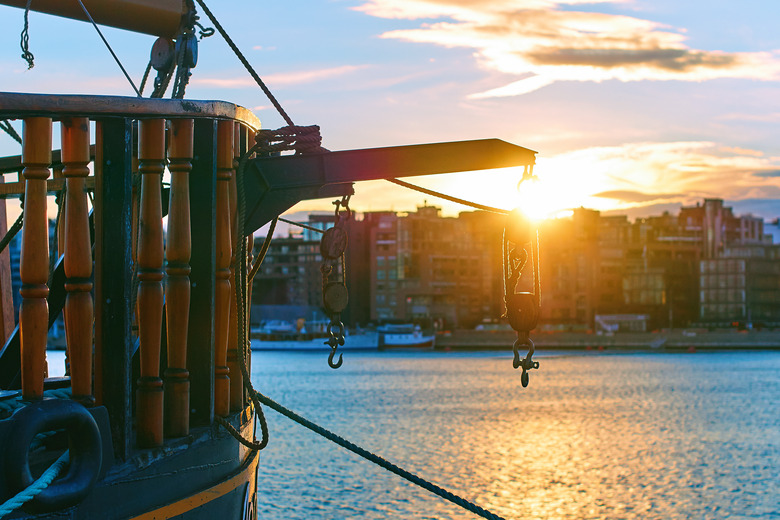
(342, 204)
(526, 363)
(338, 363)
(516, 360)
(334, 341)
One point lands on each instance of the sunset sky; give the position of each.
(635, 105)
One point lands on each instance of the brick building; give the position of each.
(705, 266)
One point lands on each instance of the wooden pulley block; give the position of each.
(333, 243)
(522, 311)
(335, 297)
(163, 54)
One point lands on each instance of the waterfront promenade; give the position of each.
(675, 339)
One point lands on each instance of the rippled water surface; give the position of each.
(593, 436)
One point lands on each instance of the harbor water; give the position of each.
(595, 435)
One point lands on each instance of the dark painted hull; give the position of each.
(206, 475)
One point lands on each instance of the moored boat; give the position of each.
(360, 340)
(405, 335)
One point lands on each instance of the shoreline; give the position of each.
(681, 340)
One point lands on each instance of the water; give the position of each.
(621, 436)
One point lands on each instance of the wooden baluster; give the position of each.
(34, 261)
(60, 231)
(224, 252)
(236, 378)
(177, 295)
(151, 155)
(77, 249)
(7, 321)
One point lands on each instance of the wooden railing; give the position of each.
(191, 287)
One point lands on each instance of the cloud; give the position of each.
(544, 43)
(635, 175)
(636, 196)
(282, 78)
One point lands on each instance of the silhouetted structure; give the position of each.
(704, 267)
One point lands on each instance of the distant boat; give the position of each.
(362, 340)
(385, 337)
(404, 335)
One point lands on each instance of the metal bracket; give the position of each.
(273, 185)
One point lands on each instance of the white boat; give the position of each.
(362, 340)
(404, 335)
(385, 337)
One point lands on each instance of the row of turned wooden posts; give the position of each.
(163, 270)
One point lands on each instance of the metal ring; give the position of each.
(86, 451)
(340, 326)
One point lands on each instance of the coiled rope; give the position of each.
(25, 38)
(36, 487)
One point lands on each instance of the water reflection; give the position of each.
(593, 436)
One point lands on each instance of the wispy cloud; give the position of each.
(636, 196)
(282, 78)
(637, 174)
(543, 43)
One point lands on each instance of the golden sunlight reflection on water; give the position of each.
(593, 436)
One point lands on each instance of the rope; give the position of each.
(36, 487)
(263, 250)
(449, 197)
(300, 139)
(182, 73)
(89, 16)
(25, 38)
(165, 80)
(245, 63)
(300, 224)
(6, 126)
(146, 77)
(389, 466)
(12, 231)
(241, 289)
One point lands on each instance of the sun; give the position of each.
(561, 185)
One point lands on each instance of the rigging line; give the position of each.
(109, 48)
(263, 250)
(246, 64)
(449, 197)
(376, 459)
(304, 226)
(146, 77)
(10, 130)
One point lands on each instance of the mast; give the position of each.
(157, 17)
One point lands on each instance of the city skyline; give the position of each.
(771, 226)
(705, 267)
(632, 105)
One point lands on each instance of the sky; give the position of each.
(634, 106)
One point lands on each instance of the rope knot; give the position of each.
(300, 139)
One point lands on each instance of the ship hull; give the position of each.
(207, 474)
